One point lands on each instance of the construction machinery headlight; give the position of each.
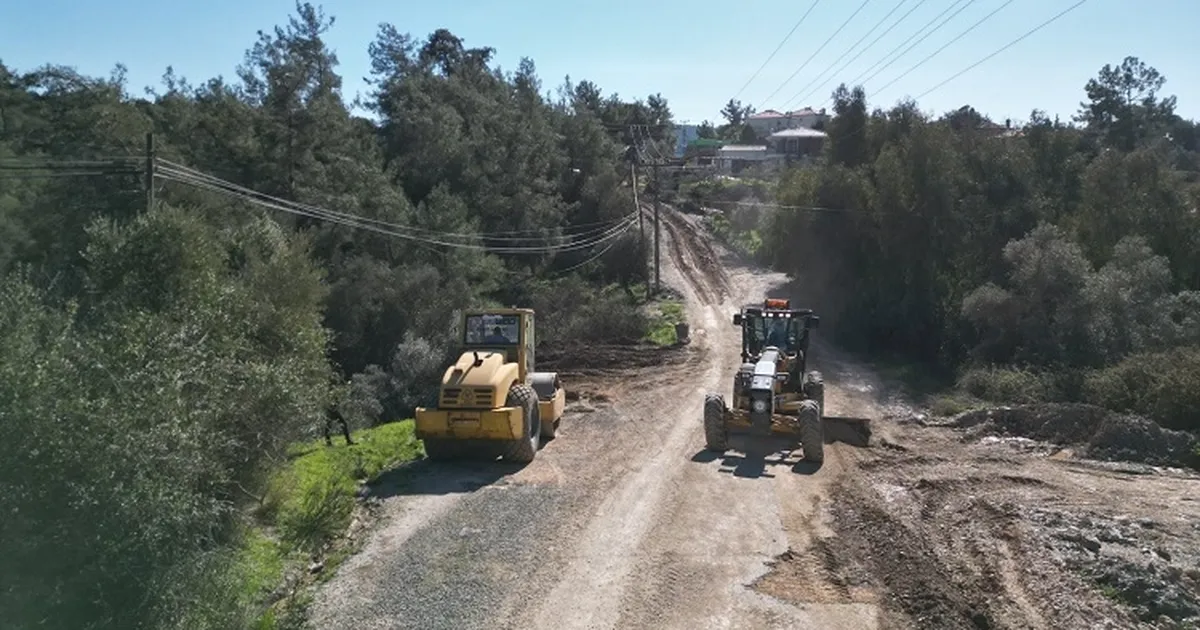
(760, 405)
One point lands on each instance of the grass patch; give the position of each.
(310, 500)
(261, 565)
(307, 506)
(663, 317)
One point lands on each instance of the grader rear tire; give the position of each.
(812, 438)
(716, 433)
(524, 448)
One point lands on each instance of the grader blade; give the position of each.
(847, 429)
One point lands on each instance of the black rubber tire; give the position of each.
(442, 449)
(716, 432)
(814, 389)
(524, 448)
(812, 438)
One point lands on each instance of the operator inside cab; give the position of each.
(777, 333)
(497, 337)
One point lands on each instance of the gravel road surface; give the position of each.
(624, 521)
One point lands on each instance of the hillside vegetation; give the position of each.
(1051, 262)
(158, 362)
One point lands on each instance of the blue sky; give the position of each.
(696, 53)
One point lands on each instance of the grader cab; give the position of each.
(773, 391)
(492, 403)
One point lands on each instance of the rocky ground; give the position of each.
(1051, 517)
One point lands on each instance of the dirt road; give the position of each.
(624, 521)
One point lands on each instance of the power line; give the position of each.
(1006, 47)
(645, 143)
(39, 164)
(640, 140)
(172, 174)
(620, 229)
(48, 175)
(334, 218)
(944, 46)
(32, 168)
(857, 80)
(777, 206)
(987, 57)
(178, 169)
(777, 48)
(795, 98)
(658, 154)
(918, 42)
(822, 47)
(864, 50)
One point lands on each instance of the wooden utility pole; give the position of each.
(637, 205)
(657, 267)
(149, 171)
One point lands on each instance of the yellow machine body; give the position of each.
(482, 396)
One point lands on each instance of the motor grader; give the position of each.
(491, 402)
(773, 392)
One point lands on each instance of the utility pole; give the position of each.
(638, 158)
(657, 267)
(637, 204)
(149, 171)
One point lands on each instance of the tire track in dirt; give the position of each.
(621, 521)
(732, 516)
(602, 570)
(694, 256)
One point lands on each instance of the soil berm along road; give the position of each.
(628, 520)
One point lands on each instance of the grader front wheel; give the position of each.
(716, 432)
(812, 434)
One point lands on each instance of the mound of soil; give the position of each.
(1128, 562)
(1098, 432)
(589, 359)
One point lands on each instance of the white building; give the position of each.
(767, 122)
(732, 158)
(800, 142)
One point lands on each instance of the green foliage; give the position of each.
(739, 223)
(745, 241)
(1160, 385)
(1008, 385)
(664, 315)
(137, 417)
(1024, 258)
(583, 317)
(159, 362)
(310, 500)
